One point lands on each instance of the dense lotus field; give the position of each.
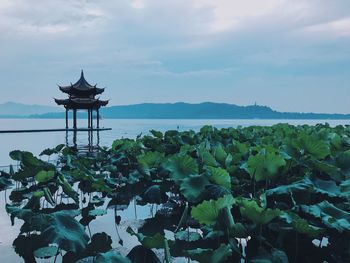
(255, 194)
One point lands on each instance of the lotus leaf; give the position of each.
(209, 255)
(330, 215)
(193, 186)
(251, 210)
(180, 166)
(219, 176)
(44, 176)
(111, 257)
(207, 212)
(264, 165)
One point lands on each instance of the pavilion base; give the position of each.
(56, 130)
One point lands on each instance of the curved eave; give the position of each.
(74, 90)
(82, 103)
(62, 102)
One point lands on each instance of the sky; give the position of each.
(289, 55)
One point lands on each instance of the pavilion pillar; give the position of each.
(92, 118)
(74, 118)
(89, 116)
(66, 118)
(98, 118)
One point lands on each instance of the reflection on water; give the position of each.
(84, 147)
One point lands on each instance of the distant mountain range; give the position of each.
(180, 110)
(16, 110)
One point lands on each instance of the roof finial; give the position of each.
(82, 74)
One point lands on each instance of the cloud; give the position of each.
(161, 45)
(337, 28)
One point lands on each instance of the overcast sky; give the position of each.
(290, 55)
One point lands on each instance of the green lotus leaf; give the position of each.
(214, 191)
(149, 160)
(193, 186)
(330, 215)
(219, 176)
(324, 167)
(180, 166)
(44, 176)
(335, 140)
(157, 134)
(220, 154)
(209, 255)
(111, 257)
(100, 185)
(156, 241)
(14, 211)
(251, 210)
(46, 252)
(301, 225)
(345, 189)
(26, 158)
(206, 157)
(127, 147)
(67, 188)
(343, 161)
(5, 183)
(48, 196)
(63, 230)
(207, 212)
(314, 146)
(264, 165)
(274, 256)
(304, 190)
(97, 212)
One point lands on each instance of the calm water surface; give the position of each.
(36, 142)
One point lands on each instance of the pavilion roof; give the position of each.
(81, 103)
(81, 87)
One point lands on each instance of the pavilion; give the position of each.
(82, 96)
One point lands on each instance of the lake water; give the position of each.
(36, 142)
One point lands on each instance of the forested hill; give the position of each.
(206, 110)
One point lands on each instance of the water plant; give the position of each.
(257, 194)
